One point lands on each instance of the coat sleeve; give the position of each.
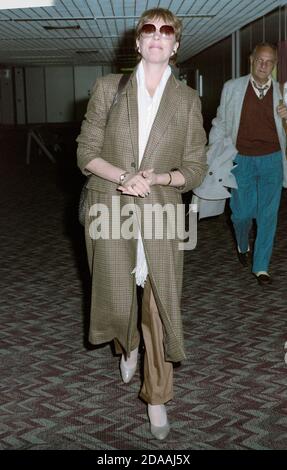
(193, 166)
(90, 141)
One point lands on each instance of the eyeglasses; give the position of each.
(166, 30)
(268, 63)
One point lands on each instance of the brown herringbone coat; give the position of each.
(177, 140)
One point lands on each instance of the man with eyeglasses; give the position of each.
(251, 115)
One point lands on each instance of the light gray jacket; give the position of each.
(226, 125)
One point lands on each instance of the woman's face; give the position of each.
(156, 47)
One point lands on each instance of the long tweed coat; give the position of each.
(177, 140)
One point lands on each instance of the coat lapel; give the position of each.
(166, 110)
(239, 98)
(133, 115)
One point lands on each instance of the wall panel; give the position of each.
(60, 98)
(85, 77)
(35, 95)
(6, 96)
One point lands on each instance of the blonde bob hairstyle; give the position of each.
(160, 14)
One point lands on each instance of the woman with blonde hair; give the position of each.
(144, 150)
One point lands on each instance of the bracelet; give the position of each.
(123, 177)
(170, 178)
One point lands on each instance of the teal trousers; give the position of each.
(259, 181)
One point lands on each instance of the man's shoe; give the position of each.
(244, 258)
(263, 278)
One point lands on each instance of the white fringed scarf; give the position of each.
(147, 110)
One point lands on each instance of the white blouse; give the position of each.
(147, 110)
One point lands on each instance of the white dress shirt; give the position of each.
(260, 90)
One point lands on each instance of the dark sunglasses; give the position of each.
(166, 31)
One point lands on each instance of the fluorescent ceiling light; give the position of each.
(11, 4)
(87, 51)
(53, 28)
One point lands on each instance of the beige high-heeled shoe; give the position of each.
(159, 432)
(127, 373)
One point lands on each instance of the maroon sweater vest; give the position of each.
(257, 134)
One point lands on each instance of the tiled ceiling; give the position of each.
(101, 31)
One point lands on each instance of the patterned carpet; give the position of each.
(59, 392)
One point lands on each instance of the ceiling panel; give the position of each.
(101, 31)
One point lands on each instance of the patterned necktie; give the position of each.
(261, 89)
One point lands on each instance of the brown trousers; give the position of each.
(157, 385)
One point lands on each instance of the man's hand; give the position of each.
(282, 111)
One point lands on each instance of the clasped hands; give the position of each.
(138, 184)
